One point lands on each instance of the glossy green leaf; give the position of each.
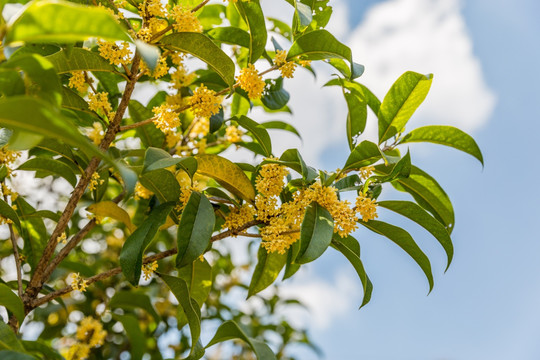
(132, 252)
(317, 45)
(11, 83)
(111, 209)
(402, 169)
(230, 330)
(356, 118)
(33, 232)
(315, 233)
(78, 59)
(195, 229)
(227, 174)
(149, 134)
(129, 299)
(15, 355)
(348, 183)
(181, 291)
(258, 132)
(50, 166)
(8, 339)
(230, 35)
(202, 47)
(253, 16)
(364, 154)
(12, 302)
(7, 211)
(293, 159)
(266, 271)
(275, 97)
(345, 70)
(404, 240)
(54, 21)
(40, 347)
(423, 218)
(359, 90)
(401, 101)
(350, 248)
(280, 125)
(162, 183)
(71, 100)
(137, 338)
(290, 266)
(198, 277)
(445, 135)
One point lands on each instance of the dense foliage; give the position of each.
(146, 193)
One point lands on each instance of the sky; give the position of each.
(484, 56)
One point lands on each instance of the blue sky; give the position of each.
(487, 305)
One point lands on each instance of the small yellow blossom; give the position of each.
(149, 269)
(185, 193)
(90, 331)
(304, 63)
(95, 181)
(177, 100)
(77, 351)
(177, 58)
(250, 80)
(286, 67)
(166, 118)
(233, 134)
(117, 54)
(269, 182)
(366, 207)
(267, 207)
(141, 192)
(5, 220)
(180, 78)
(172, 138)
(185, 20)
(144, 34)
(5, 190)
(78, 81)
(99, 102)
(8, 156)
(150, 8)
(96, 134)
(62, 238)
(366, 172)
(78, 283)
(239, 217)
(204, 102)
(200, 128)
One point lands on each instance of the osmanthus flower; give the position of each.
(96, 133)
(117, 53)
(78, 283)
(250, 81)
(283, 229)
(201, 127)
(285, 67)
(149, 269)
(267, 207)
(90, 331)
(77, 351)
(160, 70)
(166, 117)
(141, 192)
(269, 182)
(150, 8)
(366, 207)
(99, 102)
(366, 172)
(181, 78)
(184, 19)
(7, 157)
(238, 217)
(233, 134)
(62, 238)
(77, 81)
(204, 102)
(95, 181)
(172, 138)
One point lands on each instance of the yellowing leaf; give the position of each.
(168, 223)
(227, 174)
(112, 210)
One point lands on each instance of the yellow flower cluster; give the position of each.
(200, 128)
(366, 207)
(8, 156)
(185, 193)
(250, 80)
(286, 67)
(62, 238)
(90, 331)
(269, 182)
(95, 181)
(77, 351)
(304, 63)
(177, 100)
(77, 81)
(283, 230)
(99, 102)
(149, 269)
(185, 20)
(8, 192)
(238, 217)
(165, 117)
(180, 78)
(233, 134)
(366, 172)
(267, 207)
(150, 8)
(204, 102)
(96, 134)
(117, 54)
(78, 283)
(141, 192)
(172, 138)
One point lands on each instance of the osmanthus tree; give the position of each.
(159, 194)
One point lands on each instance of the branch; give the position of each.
(17, 260)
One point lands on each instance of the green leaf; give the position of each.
(149, 134)
(41, 348)
(345, 70)
(230, 330)
(8, 339)
(12, 302)
(15, 355)
(315, 233)
(162, 183)
(8, 212)
(304, 13)
(359, 90)
(401, 101)
(129, 299)
(71, 100)
(428, 194)
(54, 21)
(132, 252)
(399, 171)
(202, 47)
(78, 59)
(404, 241)
(317, 45)
(50, 166)
(266, 271)
(5, 135)
(253, 16)
(258, 132)
(181, 291)
(275, 96)
(230, 35)
(195, 229)
(290, 267)
(350, 248)
(281, 125)
(293, 159)
(356, 117)
(445, 135)
(33, 232)
(364, 154)
(424, 219)
(227, 174)
(136, 337)
(11, 83)
(198, 277)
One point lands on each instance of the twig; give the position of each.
(17, 260)
(137, 124)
